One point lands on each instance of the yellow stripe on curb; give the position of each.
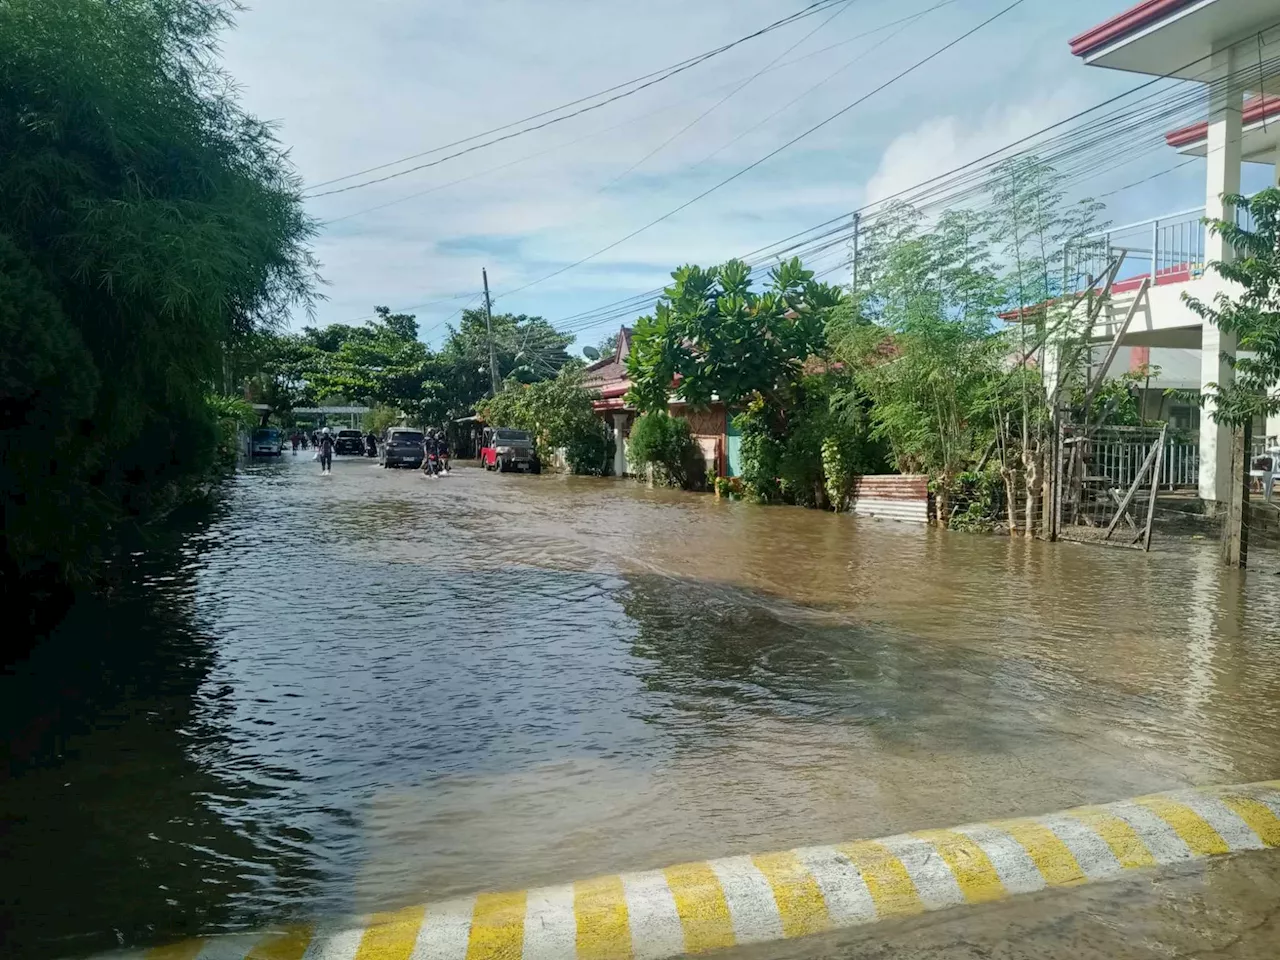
(1200, 838)
(1257, 817)
(289, 944)
(1053, 858)
(888, 882)
(1129, 850)
(972, 869)
(497, 926)
(697, 907)
(800, 903)
(600, 911)
(703, 910)
(187, 950)
(391, 935)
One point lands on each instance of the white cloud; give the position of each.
(940, 144)
(355, 85)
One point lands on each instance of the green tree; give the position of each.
(713, 337)
(1252, 312)
(930, 363)
(608, 346)
(380, 363)
(147, 225)
(1034, 226)
(558, 413)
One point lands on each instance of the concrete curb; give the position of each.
(696, 907)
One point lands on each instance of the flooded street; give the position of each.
(364, 691)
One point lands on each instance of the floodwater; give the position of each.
(358, 692)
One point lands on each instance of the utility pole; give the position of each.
(857, 222)
(488, 323)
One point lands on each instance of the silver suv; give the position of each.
(401, 447)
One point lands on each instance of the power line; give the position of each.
(732, 93)
(773, 153)
(666, 106)
(1103, 142)
(643, 82)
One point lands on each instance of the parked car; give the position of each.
(266, 442)
(401, 447)
(349, 443)
(504, 449)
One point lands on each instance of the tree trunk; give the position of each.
(1031, 460)
(942, 501)
(1010, 500)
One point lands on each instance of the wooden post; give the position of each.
(1155, 489)
(1133, 489)
(1235, 547)
(1058, 479)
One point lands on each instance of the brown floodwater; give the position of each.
(372, 689)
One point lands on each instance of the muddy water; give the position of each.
(363, 691)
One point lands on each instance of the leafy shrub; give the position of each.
(665, 444)
(976, 499)
(811, 454)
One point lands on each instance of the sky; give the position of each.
(357, 85)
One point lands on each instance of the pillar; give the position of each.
(1222, 176)
(619, 445)
(1273, 420)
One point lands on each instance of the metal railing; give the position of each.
(1120, 460)
(1167, 249)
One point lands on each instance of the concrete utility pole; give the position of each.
(857, 224)
(488, 323)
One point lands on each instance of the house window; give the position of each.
(1184, 416)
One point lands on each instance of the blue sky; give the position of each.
(352, 85)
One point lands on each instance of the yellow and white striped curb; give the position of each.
(696, 907)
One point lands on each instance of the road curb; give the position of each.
(696, 907)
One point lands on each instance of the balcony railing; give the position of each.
(1165, 249)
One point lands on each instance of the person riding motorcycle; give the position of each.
(442, 450)
(370, 444)
(430, 454)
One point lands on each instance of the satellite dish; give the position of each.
(591, 353)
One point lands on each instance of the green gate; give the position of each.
(733, 446)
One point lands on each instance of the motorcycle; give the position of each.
(431, 465)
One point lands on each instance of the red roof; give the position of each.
(1255, 110)
(608, 375)
(1121, 25)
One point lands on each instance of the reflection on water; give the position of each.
(363, 691)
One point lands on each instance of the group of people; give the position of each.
(435, 449)
(435, 453)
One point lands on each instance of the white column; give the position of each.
(1273, 421)
(1223, 176)
(619, 445)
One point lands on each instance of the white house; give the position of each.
(1233, 48)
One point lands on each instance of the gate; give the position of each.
(1106, 483)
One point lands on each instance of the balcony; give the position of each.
(1164, 250)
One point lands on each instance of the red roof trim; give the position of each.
(1123, 24)
(1255, 111)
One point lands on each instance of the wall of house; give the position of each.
(707, 424)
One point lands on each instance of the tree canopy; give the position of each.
(713, 336)
(147, 224)
(1253, 314)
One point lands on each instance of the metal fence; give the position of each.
(1120, 460)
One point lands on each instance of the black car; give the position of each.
(349, 442)
(401, 447)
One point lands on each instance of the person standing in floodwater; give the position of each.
(325, 445)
